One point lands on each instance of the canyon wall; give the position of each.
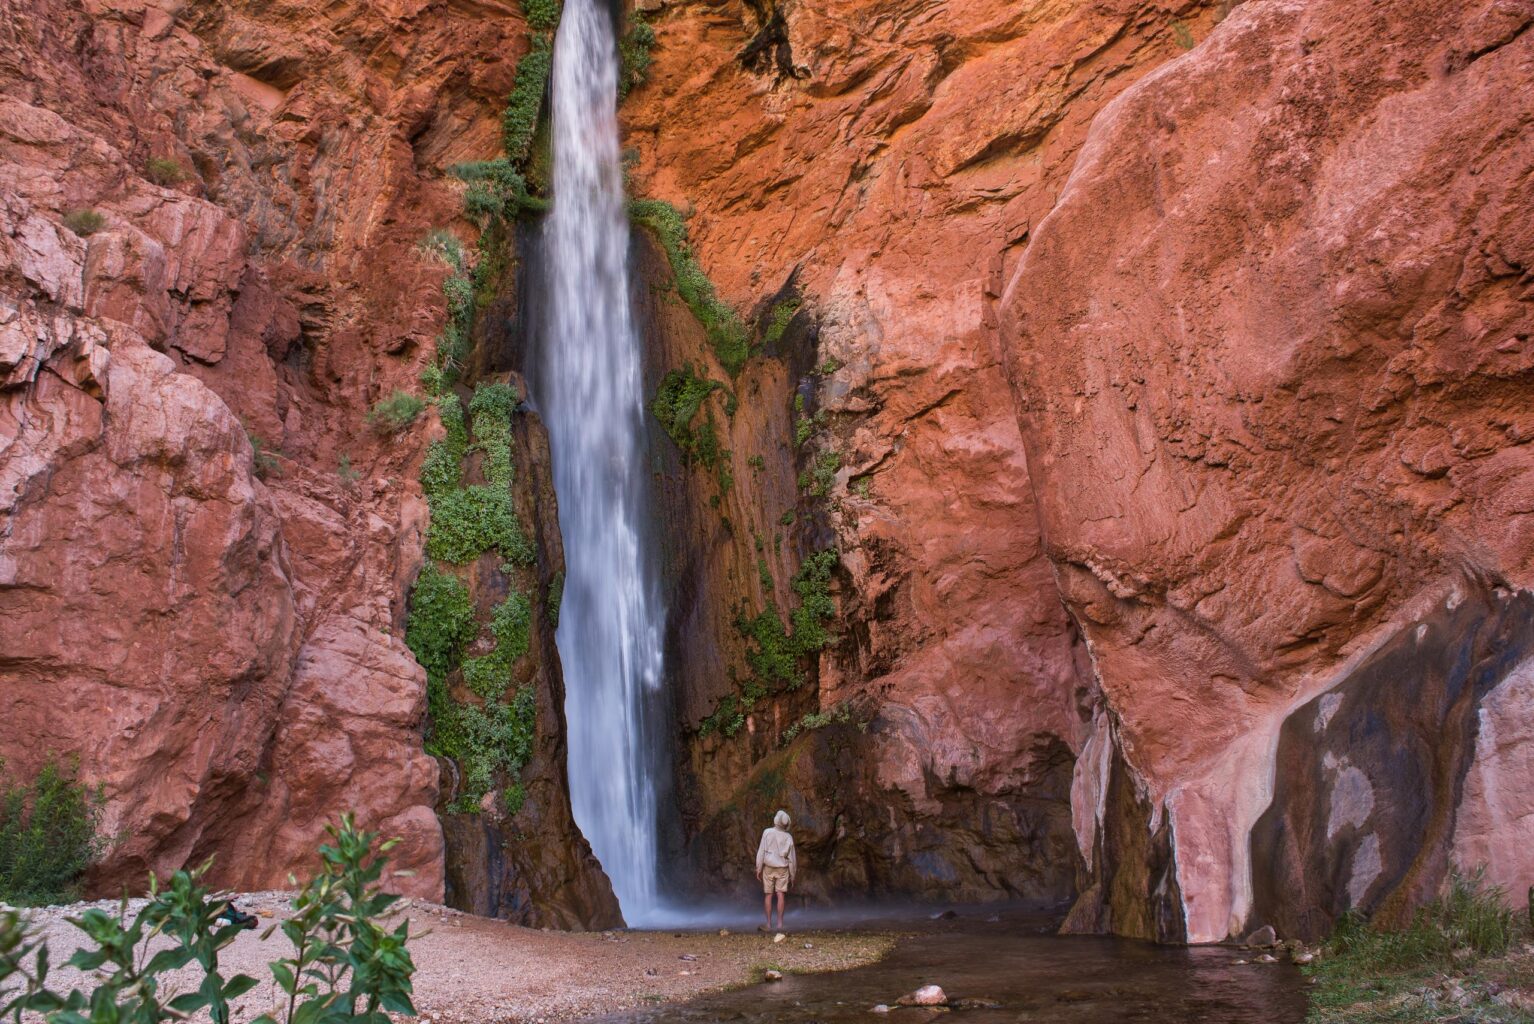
(883, 163)
(210, 268)
(1272, 354)
(1266, 321)
(1153, 371)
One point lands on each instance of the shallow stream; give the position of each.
(1027, 973)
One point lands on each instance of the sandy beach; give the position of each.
(474, 970)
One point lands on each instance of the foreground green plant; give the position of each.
(347, 967)
(49, 835)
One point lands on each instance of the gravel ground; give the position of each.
(476, 970)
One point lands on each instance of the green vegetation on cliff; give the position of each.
(634, 53)
(677, 403)
(396, 412)
(775, 653)
(491, 735)
(48, 835)
(524, 107)
(489, 675)
(726, 334)
(468, 521)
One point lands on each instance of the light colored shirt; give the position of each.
(777, 851)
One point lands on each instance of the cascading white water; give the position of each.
(590, 392)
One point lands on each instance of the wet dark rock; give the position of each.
(1262, 937)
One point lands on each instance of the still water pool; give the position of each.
(1028, 976)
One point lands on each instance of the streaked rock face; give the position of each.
(1272, 357)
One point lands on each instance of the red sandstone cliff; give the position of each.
(1250, 520)
(1272, 351)
(223, 652)
(1268, 335)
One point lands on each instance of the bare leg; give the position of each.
(782, 898)
(767, 910)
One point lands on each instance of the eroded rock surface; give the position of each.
(1272, 352)
(209, 218)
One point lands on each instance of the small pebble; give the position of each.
(779, 937)
(881, 1008)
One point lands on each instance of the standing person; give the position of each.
(776, 866)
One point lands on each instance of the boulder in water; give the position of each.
(1262, 937)
(927, 995)
(771, 975)
(881, 1008)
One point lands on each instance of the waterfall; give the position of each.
(590, 390)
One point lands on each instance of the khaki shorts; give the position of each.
(774, 880)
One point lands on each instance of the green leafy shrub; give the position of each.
(471, 520)
(727, 718)
(774, 652)
(822, 473)
(542, 15)
(634, 54)
(677, 403)
(441, 471)
(49, 835)
(264, 458)
(441, 621)
(445, 246)
(347, 967)
(164, 171)
(84, 222)
(347, 472)
(468, 521)
(726, 333)
(816, 608)
(496, 189)
(497, 737)
(396, 412)
(837, 714)
(511, 624)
